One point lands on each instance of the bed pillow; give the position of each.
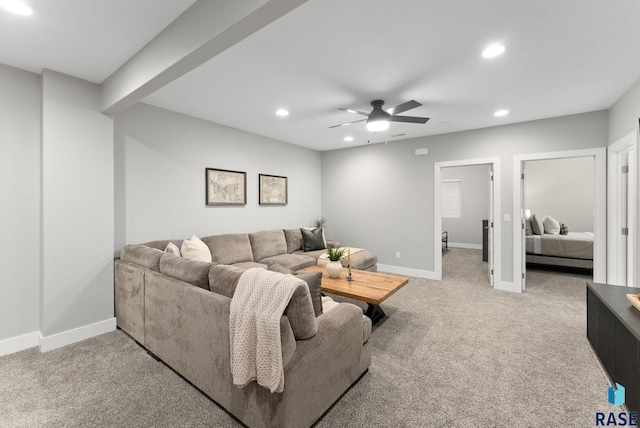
(551, 226)
(537, 227)
(527, 226)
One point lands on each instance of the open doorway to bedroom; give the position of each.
(560, 199)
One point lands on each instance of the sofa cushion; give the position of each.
(249, 265)
(229, 249)
(312, 239)
(294, 240)
(301, 314)
(142, 255)
(267, 243)
(195, 249)
(160, 244)
(313, 280)
(191, 271)
(292, 261)
(223, 279)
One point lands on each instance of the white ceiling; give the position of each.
(563, 57)
(88, 39)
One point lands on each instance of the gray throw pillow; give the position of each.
(313, 280)
(312, 239)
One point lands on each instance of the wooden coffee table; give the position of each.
(370, 287)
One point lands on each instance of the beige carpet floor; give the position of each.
(452, 353)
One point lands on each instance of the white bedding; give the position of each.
(576, 245)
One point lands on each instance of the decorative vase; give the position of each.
(334, 268)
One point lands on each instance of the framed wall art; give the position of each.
(272, 190)
(226, 187)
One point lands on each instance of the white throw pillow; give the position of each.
(195, 249)
(172, 248)
(551, 226)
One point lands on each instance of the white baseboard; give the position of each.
(18, 343)
(507, 286)
(469, 246)
(419, 273)
(68, 337)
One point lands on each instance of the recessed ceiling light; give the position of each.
(500, 113)
(282, 112)
(493, 51)
(348, 138)
(16, 6)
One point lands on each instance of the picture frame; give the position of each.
(225, 187)
(272, 190)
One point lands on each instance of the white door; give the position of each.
(522, 228)
(623, 229)
(622, 190)
(631, 215)
(490, 232)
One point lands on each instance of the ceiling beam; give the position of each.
(203, 31)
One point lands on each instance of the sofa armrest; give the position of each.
(334, 244)
(330, 361)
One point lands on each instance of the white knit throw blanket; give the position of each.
(259, 301)
(324, 257)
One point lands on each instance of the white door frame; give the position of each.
(599, 214)
(494, 162)
(626, 145)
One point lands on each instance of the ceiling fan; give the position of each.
(378, 120)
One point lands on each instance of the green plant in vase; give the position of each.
(334, 267)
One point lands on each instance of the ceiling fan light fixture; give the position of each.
(282, 112)
(501, 113)
(377, 125)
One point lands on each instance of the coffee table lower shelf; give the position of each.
(369, 287)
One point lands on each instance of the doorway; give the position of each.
(599, 211)
(494, 257)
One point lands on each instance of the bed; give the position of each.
(575, 249)
(549, 242)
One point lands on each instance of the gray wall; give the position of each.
(77, 206)
(624, 114)
(474, 186)
(381, 196)
(562, 189)
(161, 158)
(20, 194)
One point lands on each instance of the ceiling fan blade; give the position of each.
(409, 119)
(405, 106)
(350, 110)
(348, 123)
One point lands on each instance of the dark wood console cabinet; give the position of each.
(613, 328)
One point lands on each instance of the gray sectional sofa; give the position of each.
(166, 303)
